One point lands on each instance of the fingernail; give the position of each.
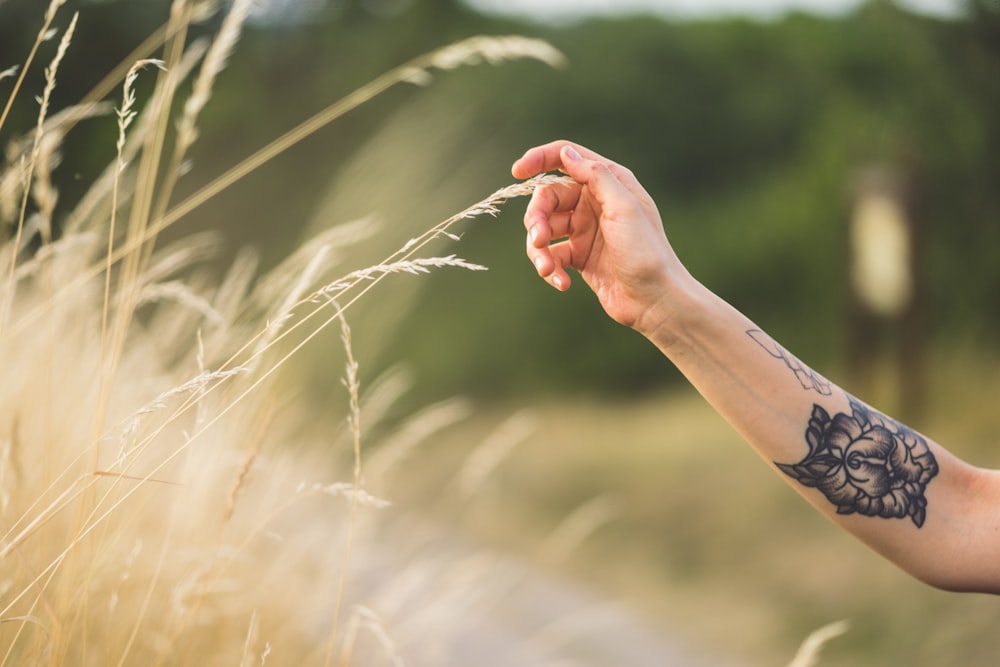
(533, 233)
(558, 282)
(571, 154)
(538, 264)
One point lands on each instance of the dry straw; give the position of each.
(484, 459)
(44, 34)
(151, 510)
(46, 202)
(578, 525)
(808, 653)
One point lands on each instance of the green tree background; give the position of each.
(746, 133)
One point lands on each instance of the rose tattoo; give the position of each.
(865, 462)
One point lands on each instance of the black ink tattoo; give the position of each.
(867, 463)
(807, 377)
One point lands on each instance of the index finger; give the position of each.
(548, 157)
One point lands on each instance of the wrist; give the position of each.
(671, 320)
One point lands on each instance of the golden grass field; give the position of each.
(675, 514)
(169, 497)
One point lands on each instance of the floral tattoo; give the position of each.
(865, 462)
(807, 377)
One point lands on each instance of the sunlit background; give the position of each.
(569, 11)
(831, 168)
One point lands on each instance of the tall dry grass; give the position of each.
(162, 500)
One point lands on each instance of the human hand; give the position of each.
(605, 226)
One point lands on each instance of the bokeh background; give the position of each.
(772, 139)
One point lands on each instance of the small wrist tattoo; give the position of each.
(807, 377)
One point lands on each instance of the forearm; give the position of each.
(894, 489)
(930, 513)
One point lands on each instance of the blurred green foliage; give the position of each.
(746, 133)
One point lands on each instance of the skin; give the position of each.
(608, 230)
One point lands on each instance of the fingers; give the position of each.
(613, 197)
(549, 157)
(557, 226)
(549, 216)
(561, 256)
(551, 199)
(605, 196)
(550, 261)
(549, 211)
(558, 212)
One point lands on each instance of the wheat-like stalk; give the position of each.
(809, 650)
(577, 526)
(400, 445)
(215, 61)
(398, 262)
(482, 460)
(126, 112)
(150, 511)
(43, 35)
(487, 206)
(47, 204)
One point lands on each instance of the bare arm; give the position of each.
(899, 492)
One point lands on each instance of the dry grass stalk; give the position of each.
(577, 526)
(251, 640)
(485, 458)
(175, 290)
(43, 35)
(126, 112)
(473, 51)
(43, 149)
(367, 619)
(130, 288)
(383, 394)
(418, 429)
(215, 61)
(353, 386)
(111, 552)
(9, 470)
(96, 199)
(495, 50)
(398, 75)
(401, 261)
(808, 653)
(285, 280)
(414, 267)
(43, 191)
(150, 196)
(317, 263)
(50, 84)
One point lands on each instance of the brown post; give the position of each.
(884, 304)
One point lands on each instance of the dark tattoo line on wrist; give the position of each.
(807, 377)
(867, 463)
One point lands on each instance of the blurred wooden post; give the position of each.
(884, 306)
